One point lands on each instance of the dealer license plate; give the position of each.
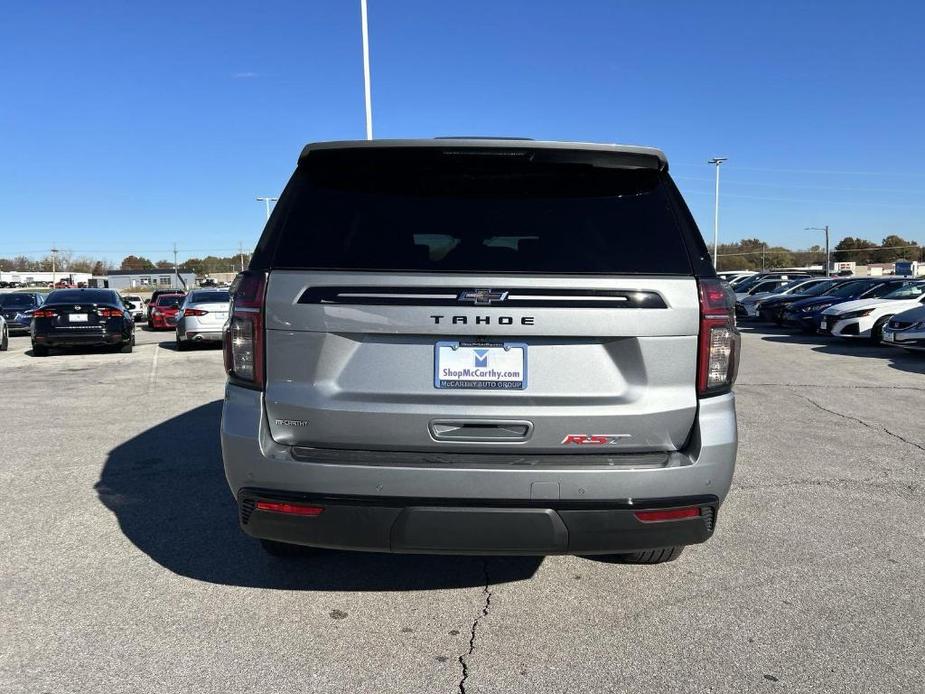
(485, 366)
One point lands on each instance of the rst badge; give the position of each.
(594, 439)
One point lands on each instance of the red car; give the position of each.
(164, 310)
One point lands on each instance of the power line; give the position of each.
(827, 172)
(762, 184)
(808, 201)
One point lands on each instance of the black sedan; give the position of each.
(82, 317)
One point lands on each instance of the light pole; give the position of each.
(716, 161)
(266, 200)
(54, 262)
(369, 101)
(826, 230)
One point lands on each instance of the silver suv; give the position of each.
(483, 347)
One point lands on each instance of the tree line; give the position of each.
(747, 254)
(66, 262)
(755, 254)
(201, 266)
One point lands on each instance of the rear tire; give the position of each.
(652, 556)
(876, 332)
(39, 350)
(5, 340)
(285, 549)
(126, 347)
(182, 345)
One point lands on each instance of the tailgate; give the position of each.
(378, 361)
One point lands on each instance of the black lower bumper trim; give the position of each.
(464, 527)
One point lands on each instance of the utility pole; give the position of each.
(369, 102)
(241, 253)
(54, 263)
(266, 199)
(176, 272)
(716, 161)
(828, 263)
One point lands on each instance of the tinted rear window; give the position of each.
(208, 297)
(17, 301)
(169, 300)
(472, 212)
(86, 296)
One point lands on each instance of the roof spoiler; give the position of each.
(595, 154)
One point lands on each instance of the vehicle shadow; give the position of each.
(167, 489)
(211, 346)
(901, 360)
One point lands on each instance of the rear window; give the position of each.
(209, 297)
(438, 211)
(17, 301)
(85, 296)
(169, 300)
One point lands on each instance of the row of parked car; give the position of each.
(103, 317)
(887, 310)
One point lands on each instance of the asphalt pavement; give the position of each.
(122, 568)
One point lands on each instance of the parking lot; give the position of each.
(123, 569)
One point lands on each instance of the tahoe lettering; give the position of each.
(483, 320)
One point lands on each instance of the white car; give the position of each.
(906, 329)
(138, 308)
(866, 318)
(734, 277)
(202, 317)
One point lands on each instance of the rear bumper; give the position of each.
(460, 527)
(196, 332)
(81, 339)
(16, 328)
(600, 494)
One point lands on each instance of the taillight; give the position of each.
(109, 313)
(44, 313)
(718, 341)
(244, 339)
(193, 312)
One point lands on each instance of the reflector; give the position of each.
(289, 508)
(668, 514)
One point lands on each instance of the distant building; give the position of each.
(27, 277)
(221, 277)
(150, 279)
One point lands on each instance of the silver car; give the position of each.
(906, 330)
(480, 347)
(201, 317)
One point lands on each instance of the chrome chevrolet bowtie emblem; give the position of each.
(481, 297)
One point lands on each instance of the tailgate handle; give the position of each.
(480, 429)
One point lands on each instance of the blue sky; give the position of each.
(130, 126)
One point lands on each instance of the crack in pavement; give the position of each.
(826, 386)
(486, 591)
(901, 487)
(875, 427)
